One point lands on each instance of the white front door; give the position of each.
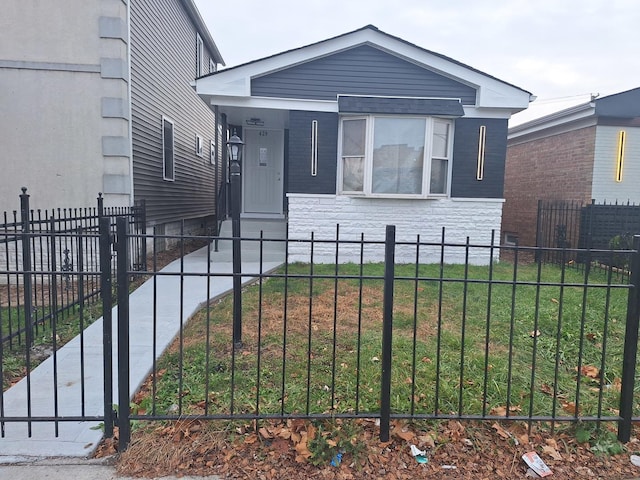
(262, 171)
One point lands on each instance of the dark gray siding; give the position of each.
(163, 63)
(362, 70)
(299, 179)
(465, 158)
(621, 105)
(404, 106)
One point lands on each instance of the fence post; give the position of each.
(100, 205)
(538, 232)
(26, 268)
(630, 347)
(107, 321)
(387, 331)
(122, 278)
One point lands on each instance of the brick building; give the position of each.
(591, 151)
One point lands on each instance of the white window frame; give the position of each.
(212, 66)
(199, 146)
(199, 56)
(168, 176)
(368, 157)
(213, 152)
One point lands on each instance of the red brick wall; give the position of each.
(558, 167)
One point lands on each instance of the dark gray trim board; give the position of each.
(403, 106)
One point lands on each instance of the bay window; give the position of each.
(395, 156)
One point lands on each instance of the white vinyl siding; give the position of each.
(604, 185)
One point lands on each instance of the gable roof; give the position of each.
(492, 92)
(622, 105)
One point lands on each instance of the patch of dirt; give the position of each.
(270, 450)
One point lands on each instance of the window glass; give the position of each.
(398, 155)
(353, 148)
(439, 169)
(167, 150)
(395, 155)
(440, 139)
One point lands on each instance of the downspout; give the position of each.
(130, 102)
(216, 171)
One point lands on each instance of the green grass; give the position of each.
(482, 360)
(68, 326)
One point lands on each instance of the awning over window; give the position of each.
(402, 106)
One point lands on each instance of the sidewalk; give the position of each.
(66, 468)
(75, 388)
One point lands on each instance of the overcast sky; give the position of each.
(560, 50)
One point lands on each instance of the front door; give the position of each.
(262, 171)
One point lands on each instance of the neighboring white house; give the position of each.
(96, 96)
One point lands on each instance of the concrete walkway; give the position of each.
(79, 439)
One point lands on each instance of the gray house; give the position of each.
(366, 129)
(97, 97)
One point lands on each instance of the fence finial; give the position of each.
(24, 190)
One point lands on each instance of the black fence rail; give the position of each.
(421, 340)
(42, 252)
(502, 341)
(574, 225)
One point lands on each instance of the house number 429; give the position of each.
(263, 133)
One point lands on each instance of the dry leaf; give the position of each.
(251, 439)
(302, 448)
(501, 411)
(500, 431)
(535, 333)
(265, 433)
(427, 440)
(569, 407)
(589, 371)
(552, 452)
(404, 435)
(554, 300)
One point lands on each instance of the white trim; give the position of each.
(453, 199)
(276, 103)
(199, 55)
(213, 152)
(579, 116)
(481, 199)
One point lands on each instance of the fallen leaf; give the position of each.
(569, 407)
(500, 431)
(404, 435)
(589, 371)
(552, 452)
(251, 439)
(554, 300)
(535, 333)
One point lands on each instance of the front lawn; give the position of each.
(461, 345)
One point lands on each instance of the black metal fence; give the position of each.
(570, 224)
(422, 340)
(536, 343)
(59, 248)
